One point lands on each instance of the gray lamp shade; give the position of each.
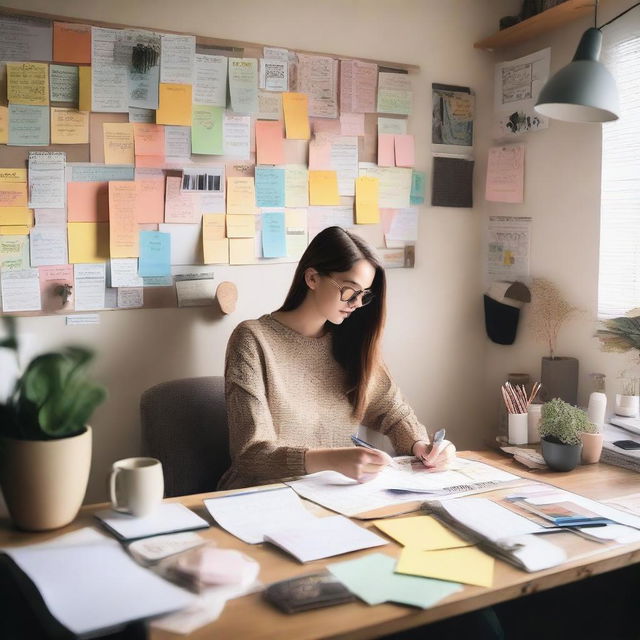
(584, 90)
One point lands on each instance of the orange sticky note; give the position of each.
(367, 208)
(214, 243)
(69, 126)
(323, 188)
(123, 228)
(4, 125)
(296, 115)
(71, 42)
(16, 216)
(149, 144)
(405, 150)
(87, 201)
(118, 143)
(174, 101)
(84, 89)
(88, 242)
(14, 230)
(386, 153)
(13, 194)
(269, 142)
(150, 200)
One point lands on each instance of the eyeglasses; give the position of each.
(350, 295)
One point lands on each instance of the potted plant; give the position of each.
(622, 335)
(548, 313)
(45, 442)
(560, 427)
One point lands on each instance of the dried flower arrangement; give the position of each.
(622, 335)
(548, 312)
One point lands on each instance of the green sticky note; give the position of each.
(206, 129)
(373, 580)
(418, 180)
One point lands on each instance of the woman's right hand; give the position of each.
(354, 462)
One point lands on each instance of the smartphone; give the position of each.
(627, 444)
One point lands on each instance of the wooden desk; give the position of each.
(250, 618)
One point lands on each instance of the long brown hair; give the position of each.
(356, 342)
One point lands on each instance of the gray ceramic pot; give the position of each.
(559, 377)
(559, 456)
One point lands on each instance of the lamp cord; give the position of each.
(633, 6)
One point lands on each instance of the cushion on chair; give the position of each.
(184, 425)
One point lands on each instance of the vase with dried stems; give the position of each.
(548, 313)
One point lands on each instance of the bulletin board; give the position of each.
(135, 162)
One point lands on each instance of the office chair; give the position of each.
(184, 425)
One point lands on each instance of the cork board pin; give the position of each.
(227, 296)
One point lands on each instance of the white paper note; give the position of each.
(89, 286)
(177, 58)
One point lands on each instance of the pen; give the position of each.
(359, 442)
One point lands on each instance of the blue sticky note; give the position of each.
(274, 243)
(28, 125)
(270, 187)
(418, 180)
(155, 254)
(100, 172)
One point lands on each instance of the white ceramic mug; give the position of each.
(518, 428)
(136, 485)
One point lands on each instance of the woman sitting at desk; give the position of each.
(301, 380)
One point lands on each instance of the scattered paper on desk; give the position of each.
(421, 532)
(248, 515)
(322, 538)
(468, 565)
(373, 580)
(168, 517)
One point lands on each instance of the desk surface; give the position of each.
(250, 618)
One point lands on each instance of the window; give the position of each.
(619, 281)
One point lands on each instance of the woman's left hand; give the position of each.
(439, 455)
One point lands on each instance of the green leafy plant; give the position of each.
(53, 398)
(561, 422)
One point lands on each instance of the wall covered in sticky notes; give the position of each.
(128, 155)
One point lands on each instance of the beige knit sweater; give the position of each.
(286, 393)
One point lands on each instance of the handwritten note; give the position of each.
(48, 245)
(174, 104)
(28, 125)
(367, 211)
(274, 243)
(241, 226)
(63, 82)
(210, 85)
(28, 83)
(180, 207)
(358, 82)
(89, 286)
(505, 174)
(237, 136)
(155, 254)
(206, 129)
(177, 58)
(20, 290)
(149, 144)
(241, 195)
(69, 126)
(123, 228)
(47, 179)
(270, 186)
(214, 243)
(118, 143)
(296, 186)
(109, 77)
(243, 84)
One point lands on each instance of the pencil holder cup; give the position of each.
(518, 433)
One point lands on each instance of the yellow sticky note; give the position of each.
(241, 195)
(69, 126)
(323, 188)
(296, 115)
(118, 143)
(14, 230)
(174, 102)
(84, 89)
(242, 251)
(241, 226)
(367, 198)
(215, 246)
(468, 565)
(28, 83)
(88, 241)
(16, 215)
(216, 251)
(421, 532)
(4, 124)
(13, 175)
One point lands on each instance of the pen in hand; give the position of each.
(436, 446)
(359, 442)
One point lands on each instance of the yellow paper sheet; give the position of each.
(174, 104)
(323, 188)
(241, 195)
(123, 227)
(16, 215)
(214, 244)
(367, 210)
(4, 125)
(468, 565)
(421, 532)
(14, 230)
(88, 241)
(241, 226)
(118, 143)
(84, 90)
(13, 175)
(69, 126)
(242, 251)
(28, 83)
(13, 194)
(296, 115)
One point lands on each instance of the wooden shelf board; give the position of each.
(544, 22)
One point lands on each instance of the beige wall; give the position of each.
(435, 344)
(562, 195)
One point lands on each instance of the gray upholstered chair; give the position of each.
(184, 425)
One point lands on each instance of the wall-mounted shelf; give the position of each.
(544, 22)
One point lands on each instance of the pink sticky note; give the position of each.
(150, 200)
(386, 154)
(269, 142)
(319, 155)
(386, 217)
(88, 201)
(180, 207)
(50, 279)
(405, 150)
(352, 124)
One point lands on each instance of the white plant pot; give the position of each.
(628, 406)
(44, 481)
